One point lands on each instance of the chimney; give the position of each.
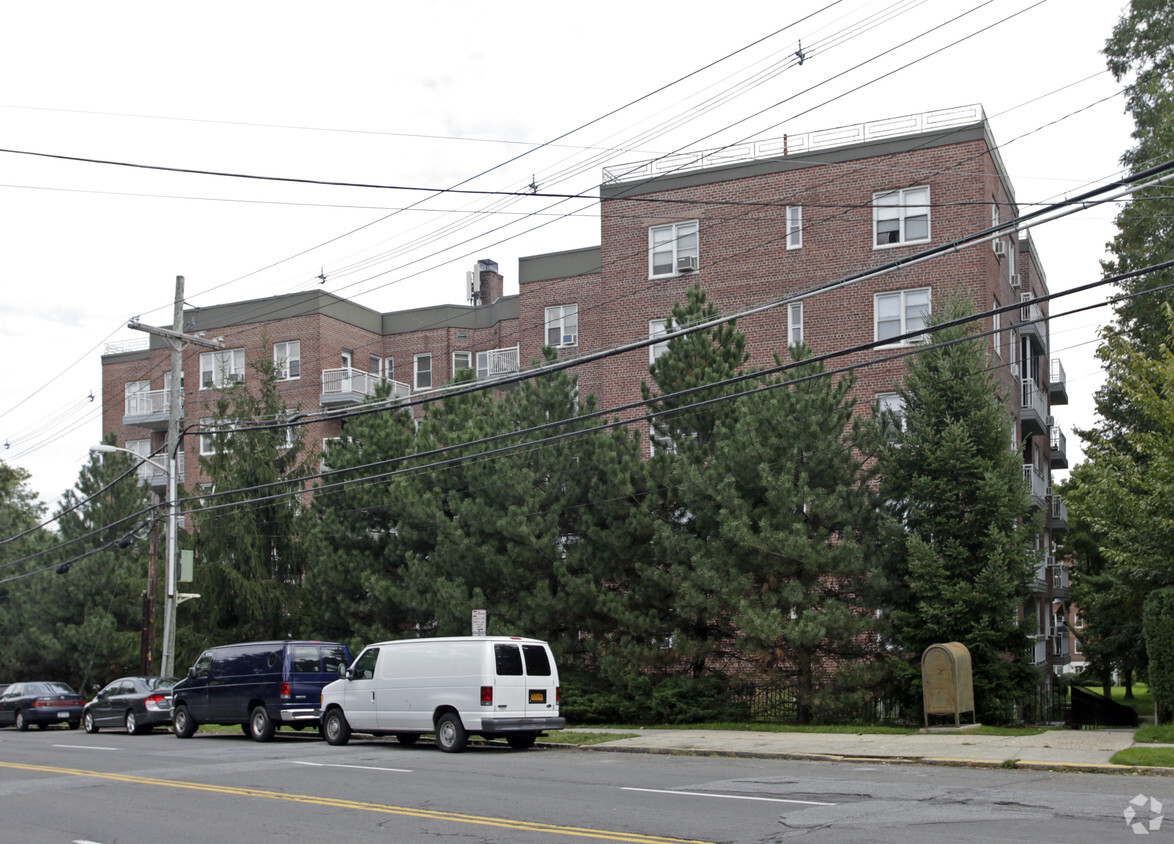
(485, 284)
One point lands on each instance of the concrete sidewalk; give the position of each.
(1088, 750)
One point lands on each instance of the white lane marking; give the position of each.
(726, 796)
(84, 841)
(84, 747)
(360, 767)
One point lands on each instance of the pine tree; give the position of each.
(961, 525)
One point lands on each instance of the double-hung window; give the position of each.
(461, 361)
(890, 409)
(221, 369)
(672, 249)
(423, 369)
(657, 328)
(562, 325)
(901, 312)
(996, 329)
(794, 226)
(794, 324)
(287, 360)
(900, 216)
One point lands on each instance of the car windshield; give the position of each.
(160, 683)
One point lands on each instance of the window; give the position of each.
(213, 428)
(389, 369)
(218, 369)
(508, 660)
(423, 367)
(461, 361)
(364, 667)
(890, 408)
(672, 249)
(794, 226)
(537, 662)
(562, 325)
(900, 313)
(794, 323)
(136, 401)
(305, 659)
(996, 333)
(375, 366)
(657, 328)
(287, 360)
(900, 216)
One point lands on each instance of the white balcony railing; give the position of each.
(1057, 441)
(1056, 376)
(1059, 509)
(1029, 310)
(347, 380)
(1037, 649)
(1034, 398)
(148, 403)
(1059, 573)
(1036, 480)
(498, 362)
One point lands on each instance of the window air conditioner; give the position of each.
(1000, 247)
(1016, 281)
(687, 264)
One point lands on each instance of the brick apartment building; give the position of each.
(757, 223)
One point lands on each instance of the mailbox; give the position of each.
(947, 685)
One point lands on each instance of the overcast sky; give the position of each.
(420, 96)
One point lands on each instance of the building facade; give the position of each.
(786, 222)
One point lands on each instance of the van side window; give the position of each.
(203, 665)
(365, 664)
(305, 659)
(537, 662)
(332, 657)
(509, 660)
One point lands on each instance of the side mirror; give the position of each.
(343, 671)
(192, 673)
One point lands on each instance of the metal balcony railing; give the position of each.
(148, 403)
(1057, 440)
(1059, 575)
(1059, 509)
(348, 380)
(498, 362)
(1035, 479)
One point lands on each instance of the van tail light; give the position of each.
(558, 695)
(487, 695)
(285, 692)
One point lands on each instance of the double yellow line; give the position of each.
(312, 800)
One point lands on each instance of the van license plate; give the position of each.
(538, 696)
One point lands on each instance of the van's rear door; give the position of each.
(509, 692)
(541, 681)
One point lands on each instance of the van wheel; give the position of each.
(261, 726)
(335, 729)
(521, 741)
(407, 738)
(183, 723)
(450, 733)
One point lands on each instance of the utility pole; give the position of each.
(176, 339)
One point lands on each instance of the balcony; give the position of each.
(156, 478)
(1060, 654)
(1059, 447)
(150, 409)
(1038, 484)
(498, 362)
(1031, 320)
(1059, 514)
(1057, 383)
(347, 385)
(1037, 649)
(1033, 410)
(1058, 572)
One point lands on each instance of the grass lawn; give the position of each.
(1159, 733)
(859, 729)
(1153, 757)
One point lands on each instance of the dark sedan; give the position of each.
(135, 704)
(41, 703)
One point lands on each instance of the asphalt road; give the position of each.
(66, 786)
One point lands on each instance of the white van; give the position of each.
(492, 686)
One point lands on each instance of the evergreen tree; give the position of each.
(20, 595)
(249, 558)
(961, 525)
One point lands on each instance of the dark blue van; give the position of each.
(259, 685)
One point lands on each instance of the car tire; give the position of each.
(182, 723)
(261, 726)
(88, 723)
(407, 738)
(450, 733)
(21, 723)
(132, 723)
(521, 741)
(335, 728)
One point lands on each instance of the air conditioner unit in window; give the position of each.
(1016, 281)
(687, 264)
(1000, 247)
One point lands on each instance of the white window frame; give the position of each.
(906, 322)
(676, 241)
(997, 329)
(794, 323)
(896, 205)
(287, 360)
(418, 373)
(389, 369)
(657, 328)
(222, 367)
(891, 403)
(794, 226)
(460, 361)
(564, 321)
(207, 446)
(375, 366)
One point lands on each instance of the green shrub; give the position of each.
(1158, 624)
